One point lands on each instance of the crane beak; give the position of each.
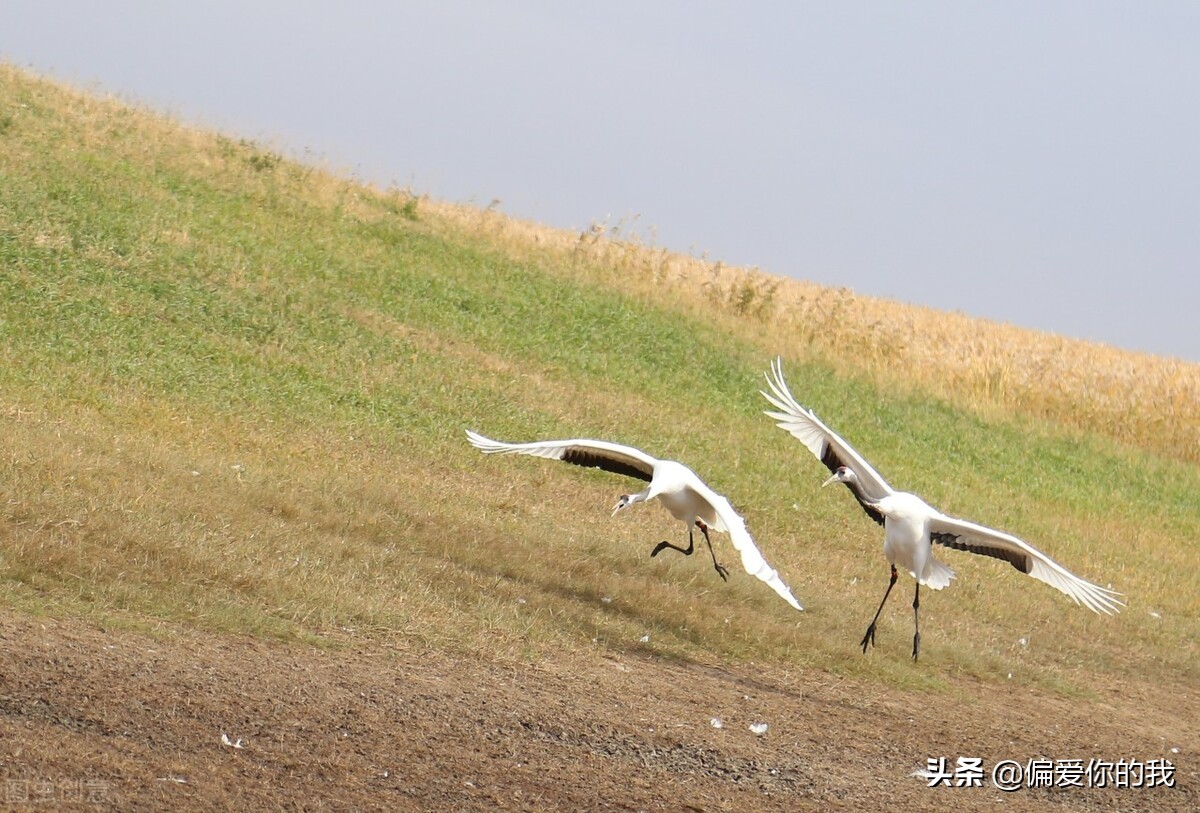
(832, 479)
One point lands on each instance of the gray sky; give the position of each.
(1031, 162)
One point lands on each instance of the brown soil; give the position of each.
(94, 719)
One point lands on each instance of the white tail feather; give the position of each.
(936, 575)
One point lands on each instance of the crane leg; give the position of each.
(665, 544)
(916, 621)
(869, 638)
(721, 571)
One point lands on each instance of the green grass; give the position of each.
(233, 392)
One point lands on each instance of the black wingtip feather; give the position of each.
(593, 460)
(1020, 561)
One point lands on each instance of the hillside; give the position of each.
(234, 389)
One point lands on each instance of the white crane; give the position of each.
(675, 485)
(911, 524)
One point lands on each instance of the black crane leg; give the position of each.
(721, 571)
(665, 544)
(869, 638)
(916, 621)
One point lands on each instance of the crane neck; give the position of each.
(856, 488)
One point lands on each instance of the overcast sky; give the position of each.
(1032, 162)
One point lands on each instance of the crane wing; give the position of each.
(596, 454)
(633, 462)
(823, 442)
(963, 535)
(752, 558)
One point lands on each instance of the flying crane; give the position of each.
(676, 486)
(911, 525)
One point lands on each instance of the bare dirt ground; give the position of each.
(93, 719)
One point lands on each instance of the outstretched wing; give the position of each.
(963, 535)
(823, 442)
(595, 454)
(752, 559)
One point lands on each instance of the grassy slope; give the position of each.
(233, 390)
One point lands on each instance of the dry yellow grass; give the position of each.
(1134, 398)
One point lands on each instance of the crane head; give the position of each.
(842, 475)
